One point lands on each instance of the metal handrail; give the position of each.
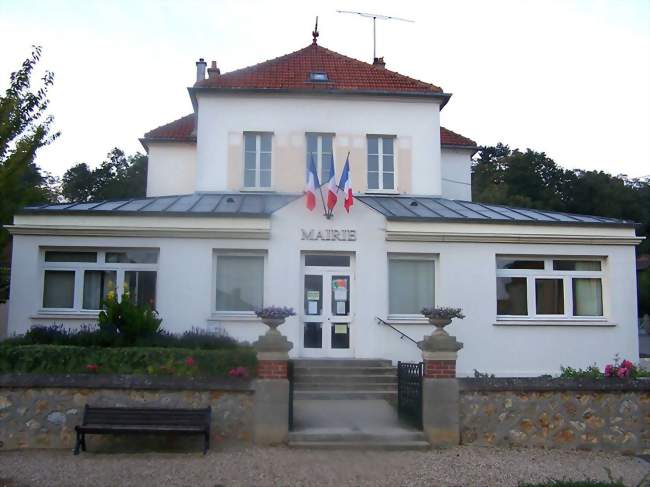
(403, 335)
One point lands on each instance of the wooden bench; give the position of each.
(125, 420)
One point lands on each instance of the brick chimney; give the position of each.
(379, 62)
(200, 69)
(213, 71)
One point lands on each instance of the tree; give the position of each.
(119, 176)
(25, 127)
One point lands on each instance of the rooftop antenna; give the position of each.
(374, 18)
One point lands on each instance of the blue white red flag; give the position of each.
(346, 185)
(332, 188)
(312, 185)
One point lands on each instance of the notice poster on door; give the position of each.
(340, 288)
(340, 329)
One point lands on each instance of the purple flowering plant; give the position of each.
(274, 312)
(442, 313)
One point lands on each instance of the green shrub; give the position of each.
(127, 318)
(132, 360)
(591, 372)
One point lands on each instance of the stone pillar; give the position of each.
(440, 393)
(271, 404)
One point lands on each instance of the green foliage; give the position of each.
(119, 176)
(530, 179)
(24, 128)
(591, 372)
(643, 289)
(127, 318)
(134, 360)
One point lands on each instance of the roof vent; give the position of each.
(230, 200)
(318, 76)
(414, 203)
(200, 69)
(213, 71)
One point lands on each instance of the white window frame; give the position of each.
(80, 267)
(258, 152)
(412, 317)
(236, 315)
(380, 164)
(319, 162)
(548, 273)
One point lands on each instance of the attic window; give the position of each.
(318, 76)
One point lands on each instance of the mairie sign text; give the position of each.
(329, 234)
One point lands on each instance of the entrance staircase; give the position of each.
(345, 379)
(349, 404)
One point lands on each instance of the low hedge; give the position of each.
(133, 360)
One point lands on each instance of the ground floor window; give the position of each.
(79, 280)
(239, 282)
(411, 284)
(549, 287)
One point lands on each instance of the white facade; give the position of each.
(465, 269)
(456, 177)
(171, 168)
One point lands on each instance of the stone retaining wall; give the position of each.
(556, 413)
(41, 411)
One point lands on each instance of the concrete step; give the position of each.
(389, 395)
(360, 445)
(335, 362)
(344, 379)
(300, 371)
(335, 435)
(350, 386)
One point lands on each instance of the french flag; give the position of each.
(346, 185)
(312, 184)
(332, 188)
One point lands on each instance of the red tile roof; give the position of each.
(292, 71)
(183, 130)
(447, 137)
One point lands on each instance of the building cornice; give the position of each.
(412, 236)
(98, 231)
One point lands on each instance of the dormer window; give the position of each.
(318, 76)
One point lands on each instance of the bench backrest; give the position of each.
(126, 416)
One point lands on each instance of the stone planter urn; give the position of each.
(440, 324)
(273, 323)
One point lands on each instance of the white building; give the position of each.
(224, 229)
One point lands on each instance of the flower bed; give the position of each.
(57, 359)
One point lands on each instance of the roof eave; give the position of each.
(443, 97)
(513, 222)
(473, 148)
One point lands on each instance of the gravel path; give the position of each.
(234, 466)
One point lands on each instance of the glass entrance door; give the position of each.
(326, 313)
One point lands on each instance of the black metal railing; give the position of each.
(409, 392)
(402, 334)
(291, 385)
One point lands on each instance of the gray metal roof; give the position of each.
(424, 208)
(197, 204)
(393, 207)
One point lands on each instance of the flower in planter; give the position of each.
(626, 369)
(238, 372)
(92, 368)
(190, 362)
(274, 312)
(442, 313)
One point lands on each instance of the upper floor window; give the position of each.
(319, 148)
(257, 160)
(549, 287)
(381, 162)
(81, 280)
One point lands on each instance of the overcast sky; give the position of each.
(571, 78)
